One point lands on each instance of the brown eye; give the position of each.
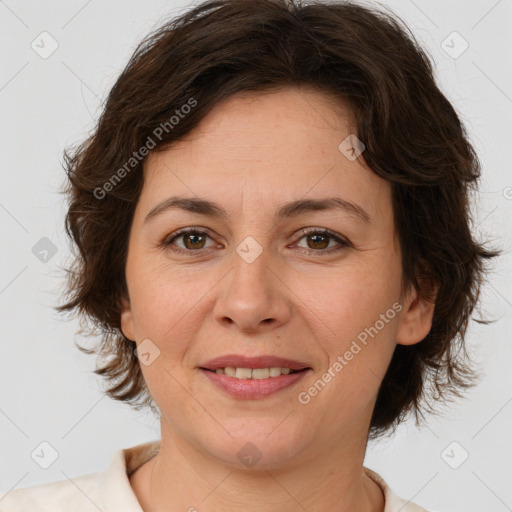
(318, 241)
(191, 240)
(322, 241)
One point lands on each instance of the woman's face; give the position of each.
(254, 283)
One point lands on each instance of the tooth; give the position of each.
(243, 373)
(229, 371)
(257, 373)
(275, 371)
(261, 373)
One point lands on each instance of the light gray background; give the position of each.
(47, 389)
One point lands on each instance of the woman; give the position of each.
(272, 225)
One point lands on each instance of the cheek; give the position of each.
(169, 307)
(348, 300)
(357, 345)
(352, 317)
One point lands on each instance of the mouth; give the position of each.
(253, 383)
(261, 363)
(271, 372)
(254, 377)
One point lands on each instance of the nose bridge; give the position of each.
(252, 294)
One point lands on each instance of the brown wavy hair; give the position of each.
(414, 139)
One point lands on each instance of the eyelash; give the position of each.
(304, 232)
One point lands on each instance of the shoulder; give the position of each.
(82, 492)
(108, 490)
(393, 502)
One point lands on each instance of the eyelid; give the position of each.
(186, 231)
(327, 232)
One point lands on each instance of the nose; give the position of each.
(253, 296)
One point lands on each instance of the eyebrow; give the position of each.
(288, 210)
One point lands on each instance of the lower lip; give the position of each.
(253, 388)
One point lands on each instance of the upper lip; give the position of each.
(263, 361)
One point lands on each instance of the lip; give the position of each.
(251, 389)
(263, 361)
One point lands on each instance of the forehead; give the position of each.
(270, 123)
(267, 147)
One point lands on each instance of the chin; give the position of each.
(256, 445)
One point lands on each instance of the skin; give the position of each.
(250, 155)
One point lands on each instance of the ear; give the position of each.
(418, 311)
(127, 319)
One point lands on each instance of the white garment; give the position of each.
(110, 490)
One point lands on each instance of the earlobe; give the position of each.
(416, 318)
(127, 319)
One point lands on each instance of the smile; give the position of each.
(254, 373)
(251, 384)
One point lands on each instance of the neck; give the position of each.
(328, 478)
